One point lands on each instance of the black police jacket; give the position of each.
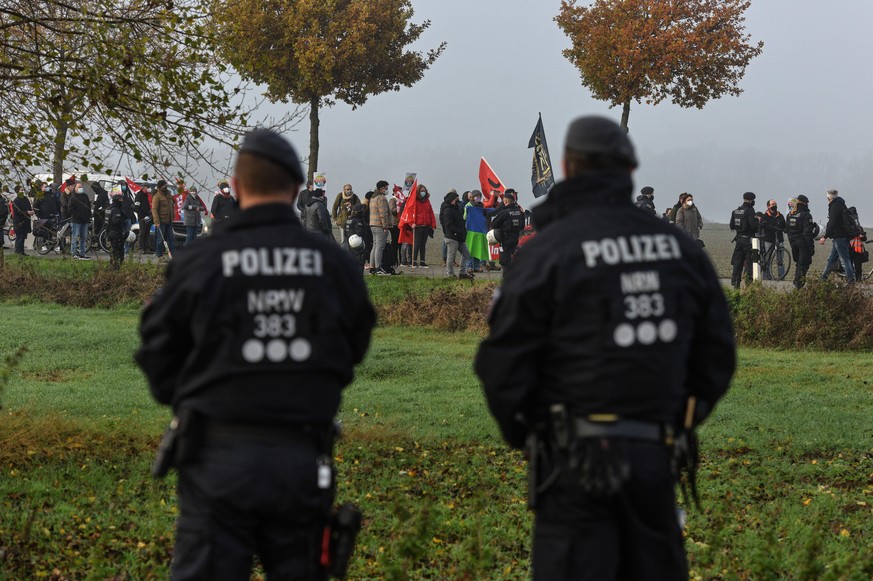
(607, 310)
(800, 226)
(259, 323)
(510, 221)
(743, 220)
(115, 223)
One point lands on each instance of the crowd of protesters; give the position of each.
(384, 238)
(387, 232)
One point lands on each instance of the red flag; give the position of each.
(410, 211)
(489, 181)
(132, 185)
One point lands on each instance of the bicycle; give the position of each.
(776, 261)
(48, 237)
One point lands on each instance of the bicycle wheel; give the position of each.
(103, 240)
(783, 256)
(43, 244)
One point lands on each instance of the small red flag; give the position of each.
(132, 185)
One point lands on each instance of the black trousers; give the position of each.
(632, 535)
(741, 261)
(421, 234)
(801, 252)
(20, 237)
(116, 251)
(395, 246)
(145, 225)
(242, 498)
(508, 248)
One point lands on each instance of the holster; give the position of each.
(338, 540)
(686, 458)
(180, 443)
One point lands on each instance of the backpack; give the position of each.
(851, 224)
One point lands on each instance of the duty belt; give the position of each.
(588, 427)
(223, 431)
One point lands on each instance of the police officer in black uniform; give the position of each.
(510, 221)
(801, 237)
(745, 224)
(606, 328)
(251, 340)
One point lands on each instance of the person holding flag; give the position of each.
(423, 226)
(476, 220)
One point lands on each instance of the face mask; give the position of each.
(689, 203)
(772, 208)
(225, 190)
(477, 199)
(80, 191)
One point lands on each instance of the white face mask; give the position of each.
(689, 203)
(225, 190)
(80, 191)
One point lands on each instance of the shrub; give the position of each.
(821, 316)
(89, 285)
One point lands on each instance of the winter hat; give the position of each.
(451, 196)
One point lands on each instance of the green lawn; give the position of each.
(786, 481)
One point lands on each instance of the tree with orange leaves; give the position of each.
(316, 52)
(689, 51)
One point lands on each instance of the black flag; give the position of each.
(541, 177)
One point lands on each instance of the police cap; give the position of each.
(749, 196)
(271, 146)
(802, 199)
(602, 136)
(509, 194)
(647, 191)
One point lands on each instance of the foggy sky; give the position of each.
(802, 125)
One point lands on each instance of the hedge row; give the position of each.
(822, 316)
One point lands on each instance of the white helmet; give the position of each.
(355, 241)
(131, 236)
(493, 236)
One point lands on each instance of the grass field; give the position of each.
(786, 480)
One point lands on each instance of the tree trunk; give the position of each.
(625, 115)
(313, 137)
(58, 157)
